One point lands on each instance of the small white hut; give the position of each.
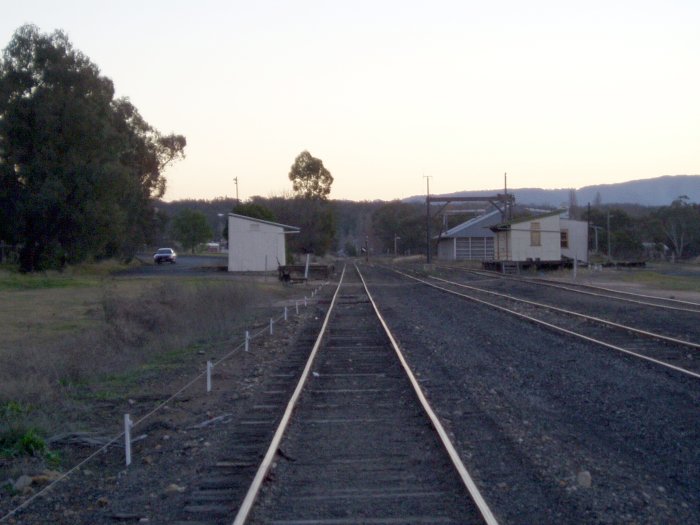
(255, 245)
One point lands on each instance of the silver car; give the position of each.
(165, 255)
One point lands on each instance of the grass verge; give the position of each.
(69, 351)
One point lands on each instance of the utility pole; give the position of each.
(427, 216)
(595, 229)
(609, 250)
(235, 179)
(588, 230)
(505, 190)
(396, 238)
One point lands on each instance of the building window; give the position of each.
(535, 234)
(565, 238)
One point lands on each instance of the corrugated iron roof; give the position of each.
(475, 227)
(506, 225)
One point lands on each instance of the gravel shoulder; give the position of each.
(555, 431)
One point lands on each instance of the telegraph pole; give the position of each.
(427, 215)
(235, 180)
(609, 243)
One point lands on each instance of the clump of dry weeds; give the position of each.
(132, 330)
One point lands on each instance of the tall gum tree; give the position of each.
(78, 168)
(314, 215)
(310, 179)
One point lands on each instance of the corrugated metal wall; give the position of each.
(475, 248)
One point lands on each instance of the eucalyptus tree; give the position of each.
(190, 228)
(312, 212)
(310, 179)
(78, 167)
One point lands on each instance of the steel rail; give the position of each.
(444, 438)
(623, 292)
(554, 327)
(576, 288)
(254, 489)
(605, 322)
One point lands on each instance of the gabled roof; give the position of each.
(475, 227)
(518, 220)
(286, 228)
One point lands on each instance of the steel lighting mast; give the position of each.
(427, 215)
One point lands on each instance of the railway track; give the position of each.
(673, 353)
(358, 442)
(547, 404)
(669, 303)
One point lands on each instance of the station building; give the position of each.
(544, 240)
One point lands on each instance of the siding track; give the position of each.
(674, 353)
(531, 409)
(595, 291)
(359, 443)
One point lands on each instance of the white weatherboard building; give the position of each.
(546, 238)
(255, 245)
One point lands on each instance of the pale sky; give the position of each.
(556, 93)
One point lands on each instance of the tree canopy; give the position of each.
(310, 179)
(401, 224)
(191, 228)
(78, 168)
(678, 225)
(254, 210)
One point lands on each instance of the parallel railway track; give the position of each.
(673, 353)
(669, 303)
(359, 442)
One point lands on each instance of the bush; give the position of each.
(16, 439)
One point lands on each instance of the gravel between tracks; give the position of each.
(555, 431)
(672, 323)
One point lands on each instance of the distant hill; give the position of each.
(658, 191)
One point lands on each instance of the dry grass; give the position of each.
(92, 337)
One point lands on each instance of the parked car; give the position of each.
(165, 255)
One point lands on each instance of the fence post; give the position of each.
(272, 323)
(127, 438)
(247, 341)
(209, 367)
(285, 313)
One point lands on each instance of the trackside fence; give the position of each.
(129, 424)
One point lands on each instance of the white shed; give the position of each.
(255, 245)
(574, 239)
(545, 238)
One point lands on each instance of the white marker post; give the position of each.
(285, 313)
(247, 341)
(272, 324)
(127, 438)
(209, 367)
